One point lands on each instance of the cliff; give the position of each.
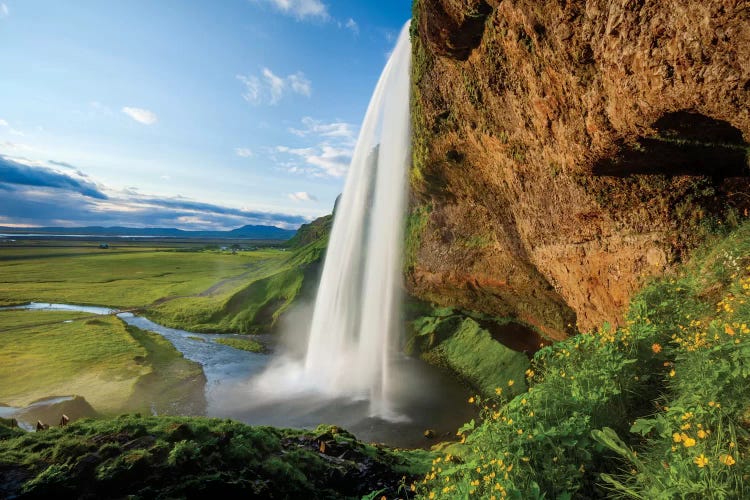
(566, 150)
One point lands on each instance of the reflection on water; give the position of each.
(45, 306)
(223, 365)
(424, 398)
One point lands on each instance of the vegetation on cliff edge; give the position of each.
(656, 409)
(179, 457)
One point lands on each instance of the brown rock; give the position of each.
(568, 149)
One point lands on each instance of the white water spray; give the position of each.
(356, 320)
(357, 310)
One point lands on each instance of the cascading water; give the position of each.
(357, 310)
(357, 307)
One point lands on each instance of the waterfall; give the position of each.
(356, 320)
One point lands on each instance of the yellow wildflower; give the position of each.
(498, 390)
(701, 460)
(471, 400)
(727, 460)
(510, 383)
(656, 348)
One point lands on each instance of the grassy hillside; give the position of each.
(657, 409)
(198, 458)
(253, 303)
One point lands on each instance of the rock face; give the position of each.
(564, 149)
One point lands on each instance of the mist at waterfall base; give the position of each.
(352, 373)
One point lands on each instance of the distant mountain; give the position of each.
(244, 232)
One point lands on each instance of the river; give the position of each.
(428, 398)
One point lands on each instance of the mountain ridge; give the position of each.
(251, 232)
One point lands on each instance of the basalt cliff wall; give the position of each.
(564, 151)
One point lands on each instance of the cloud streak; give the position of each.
(300, 9)
(141, 115)
(39, 196)
(328, 153)
(270, 88)
(16, 173)
(302, 196)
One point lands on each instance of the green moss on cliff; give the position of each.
(463, 345)
(415, 226)
(164, 457)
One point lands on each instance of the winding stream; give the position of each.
(428, 397)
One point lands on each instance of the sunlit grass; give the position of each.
(122, 279)
(93, 358)
(241, 344)
(113, 366)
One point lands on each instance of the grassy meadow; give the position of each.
(100, 358)
(120, 277)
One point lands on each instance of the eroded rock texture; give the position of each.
(564, 150)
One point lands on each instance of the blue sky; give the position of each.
(184, 113)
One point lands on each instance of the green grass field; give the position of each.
(124, 277)
(93, 358)
(192, 289)
(115, 367)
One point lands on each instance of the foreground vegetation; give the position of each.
(170, 457)
(115, 367)
(659, 408)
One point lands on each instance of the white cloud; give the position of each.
(270, 88)
(302, 196)
(141, 115)
(300, 9)
(275, 84)
(15, 146)
(300, 84)
(327, 160)
(243, 152)
(252, 92)
(337, 129)
(328, 156)
(352, 25)
(6, 125)
(4, 12)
